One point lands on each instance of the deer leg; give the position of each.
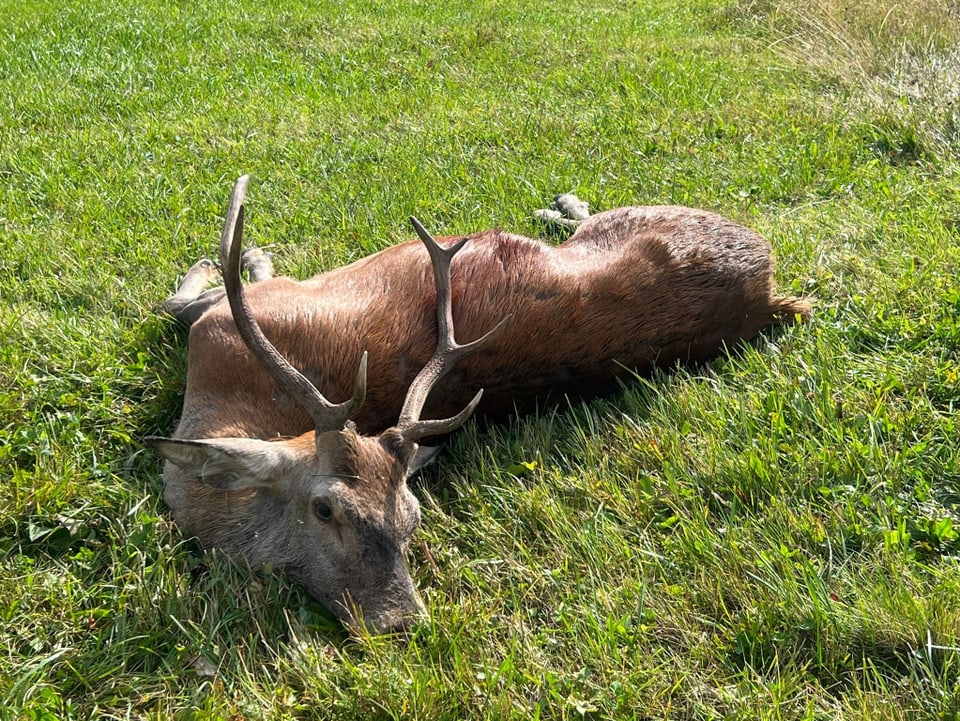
(257, 263)
(566, 212)
(192, 298)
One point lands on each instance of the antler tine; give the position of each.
(448, 351)
(326, 415)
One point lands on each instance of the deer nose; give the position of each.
(400, 620)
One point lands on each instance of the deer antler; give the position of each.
(326, 415)
(448, 351)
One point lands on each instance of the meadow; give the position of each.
(773, 536)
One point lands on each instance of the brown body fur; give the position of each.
(631, 289)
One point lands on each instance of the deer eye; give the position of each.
(322, 510)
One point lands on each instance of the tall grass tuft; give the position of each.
(898, 61)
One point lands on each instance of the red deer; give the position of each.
(263, 467)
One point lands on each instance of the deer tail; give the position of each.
(788, 309)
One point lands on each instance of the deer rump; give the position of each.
(632, 289)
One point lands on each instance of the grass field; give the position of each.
(775, 536)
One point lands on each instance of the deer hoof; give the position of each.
(571, 206)
(205, 268)
(554, 220)
(257, 263)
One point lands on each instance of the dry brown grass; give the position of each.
(899, 61)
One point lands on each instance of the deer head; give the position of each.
(331, 508)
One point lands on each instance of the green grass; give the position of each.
(775, 536)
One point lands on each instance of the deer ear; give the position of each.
(228, 463)
(423, 456)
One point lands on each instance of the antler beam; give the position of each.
(448, 351)
(326, 415)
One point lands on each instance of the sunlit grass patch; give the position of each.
(773, 535)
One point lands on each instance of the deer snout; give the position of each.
(399, 620)
(396, 607)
